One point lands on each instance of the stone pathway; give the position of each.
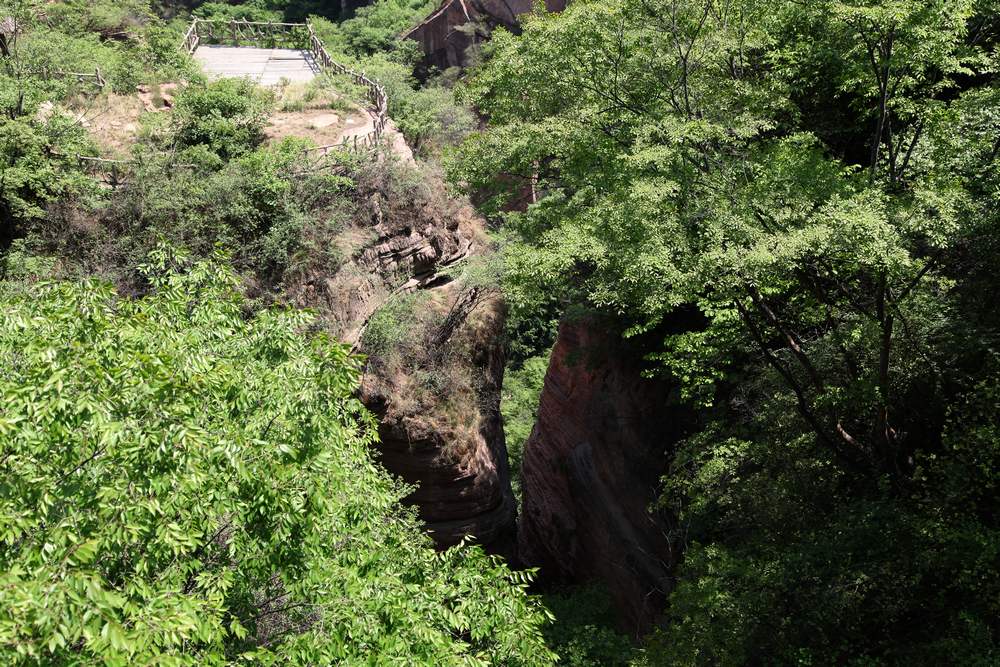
(267, 67)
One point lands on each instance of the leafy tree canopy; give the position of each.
(184, 485)
(816, 183)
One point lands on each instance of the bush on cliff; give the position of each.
(184, 485)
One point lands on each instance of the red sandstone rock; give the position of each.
(449, 31)
(592, 468)
(461, 491)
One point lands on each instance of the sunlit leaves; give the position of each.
(802, 196)
(185, 485)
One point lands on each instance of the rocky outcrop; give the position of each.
(458, 24)
(446, 441)
(399, 259)
(592, 468)
(461, 475)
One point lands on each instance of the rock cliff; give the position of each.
(458, 465)
(395, 260)
(458, 24)
(591, 471)
(439, 415)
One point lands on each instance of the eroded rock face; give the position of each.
(462, 481)
(394, 260)
(447, 33)
(591, 471)
(459, 464)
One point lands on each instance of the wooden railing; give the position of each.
(376, 91)
(95, 77)
(239, 33)
(191, 38)
(115, 172)
(303, 36)
(111, 172)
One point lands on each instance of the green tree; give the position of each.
(522, 388)
(38, 165)
(687, 179)
(790, 171)
(185, 485)
(228, 116)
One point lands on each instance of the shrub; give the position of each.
(109, 18)
(376, 27)
(391, 324)
(522, 388)
(160, 52)
(127, 44)
(19, 263)
(252, 206)
(429, 117)
(43, 51)
(37, 165)
(125, 73)
(243, 12)
(183, 485)
(584, 633)
(227, 115)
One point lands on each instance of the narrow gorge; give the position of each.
(597, 333)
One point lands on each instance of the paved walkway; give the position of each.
(264, 66)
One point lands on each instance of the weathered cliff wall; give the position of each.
(447, 33)
(591, 471)
(458, 463)
(449, 441)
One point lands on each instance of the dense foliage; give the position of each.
(227, 117)
(818, 182)
(125, 40)
(803, 193)
(585, 633)
(32, 176)
(183, 484)
(188, 475)
(522, 387)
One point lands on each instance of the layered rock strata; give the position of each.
(462, 480)
(460, 471)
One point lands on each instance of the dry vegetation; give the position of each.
(430, 386)
(313, 111)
